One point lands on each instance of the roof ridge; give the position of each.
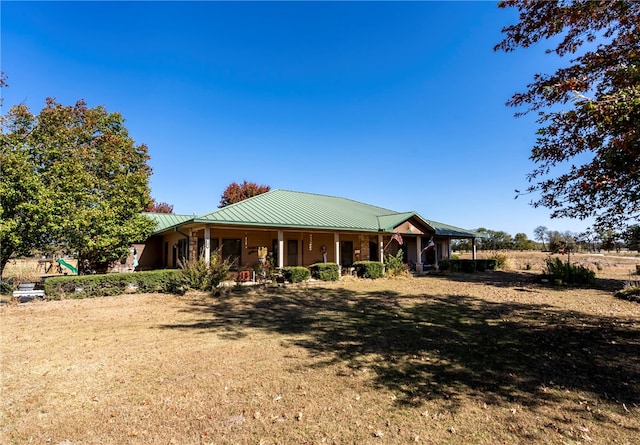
(339, 197)
(169, 214)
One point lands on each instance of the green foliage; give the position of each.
(196, 275)
(587, 110)
(73, 182)
(157, 281)
(522, 242)
(296, 274)
(369, 269)
(394, 265)
(445, 264)
(631, 237)
(494, 240)
(467, 266)
(496, 260)
(6, 287)
(566, 273)
(325, 271)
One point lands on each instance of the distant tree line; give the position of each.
(591, 240)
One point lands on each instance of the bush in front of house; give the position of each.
(295, 274)
(369, 269)
(490, 263)
(325, 271)
(84, 286)
(197, 275)
(394, 265)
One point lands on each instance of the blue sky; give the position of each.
(399, 104)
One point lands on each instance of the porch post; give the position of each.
(381, 248)
(207, 246)
(336, 241)
(418, 253)
(473, 251)
(280, 249)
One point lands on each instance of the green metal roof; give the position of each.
(289, 209)
(388, 222)
(166, 221)
(283, 208)
(447, 230)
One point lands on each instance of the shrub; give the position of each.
(468, 266)
(196, 275)
(486, 264)
(6, 287)
(500, 260)
(445, 264)
(567, 273)
(325, 271)
(296, 274)
(161, 281)
(369, 269)
(394, 265)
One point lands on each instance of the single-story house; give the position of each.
(297, 229)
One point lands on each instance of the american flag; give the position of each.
(397, 237)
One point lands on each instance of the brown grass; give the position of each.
(481, 358)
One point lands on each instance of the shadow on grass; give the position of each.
(501, 278)
(444, 347)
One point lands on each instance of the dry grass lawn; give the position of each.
(484, 358)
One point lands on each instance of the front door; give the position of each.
(292, 252)
(346, 253)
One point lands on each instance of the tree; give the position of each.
(556, 241)
(494, 240)
(239, 192)
(159, 207)
(540, 233)
(632, 237)
(522, 242)
(589, 111)
(72, 181)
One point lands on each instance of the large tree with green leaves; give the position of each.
(72, 181)
(588, 146)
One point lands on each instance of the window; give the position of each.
(232, 252)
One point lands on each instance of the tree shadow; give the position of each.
(445, 347)
(501, 278)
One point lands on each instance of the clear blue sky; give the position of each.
(399, 105)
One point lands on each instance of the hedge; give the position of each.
(369, 269)
(325, 271)
(83, 286)
(295, 274)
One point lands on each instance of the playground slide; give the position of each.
(67, 265)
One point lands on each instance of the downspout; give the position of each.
(188, 240)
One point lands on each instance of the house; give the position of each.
(298, 229)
